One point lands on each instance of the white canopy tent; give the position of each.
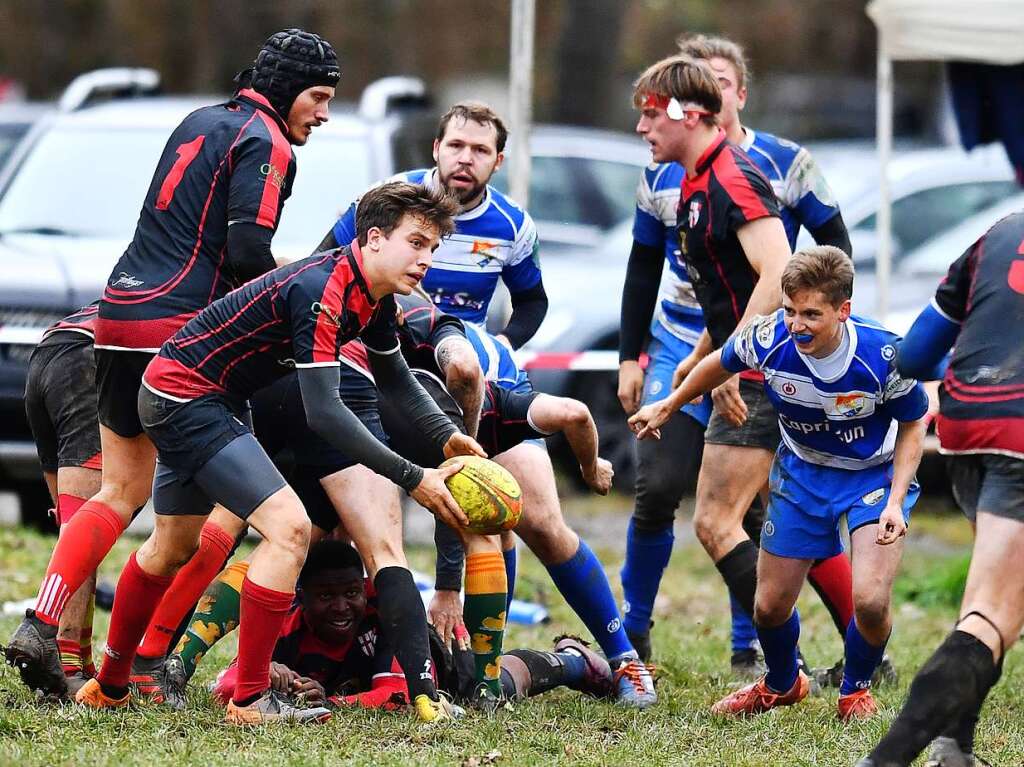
(987, 31)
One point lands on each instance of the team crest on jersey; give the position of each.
(850, 404)
(483, 248)
(694, 215)
(368, 642)
(766, 332)
(888, 352)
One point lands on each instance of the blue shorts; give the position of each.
(666, 352)
(806, 502)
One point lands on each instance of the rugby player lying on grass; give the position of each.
(852, 431)
(331, 651)
(193, 406)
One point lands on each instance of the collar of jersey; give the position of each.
(705, 160)
(360, 274)
(749, 137)
(259, 101)
(850, 354)
(478, 210)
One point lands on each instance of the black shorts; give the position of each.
(988, 482)
(279, 420)
(206, 454)
(118, 378)
(505, 420)
(761, 429)
(60, 402)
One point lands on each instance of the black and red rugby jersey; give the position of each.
(982, 397)
(727, 192)
(297, 316)
(81, 324)
(224, 164)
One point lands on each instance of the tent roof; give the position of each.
(990, 31)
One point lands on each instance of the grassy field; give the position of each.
(560, 728)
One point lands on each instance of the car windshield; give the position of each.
(90, 182)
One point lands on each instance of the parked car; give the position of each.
(15, 120)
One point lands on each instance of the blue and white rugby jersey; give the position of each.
(805, 199)
(495, 239)
(846, 422)
(496, 360)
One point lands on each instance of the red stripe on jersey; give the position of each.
(332, 309)
(734, 181)
(138, 334)
(280, 156)
(174, 378)
(355, 352)
(981, 434)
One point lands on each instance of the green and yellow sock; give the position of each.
(484, 613)
(215, 617)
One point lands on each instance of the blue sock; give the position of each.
(585, 587)
(862, 658)
(779, 645)
(744, 635)
(510, 573)
(647, 556)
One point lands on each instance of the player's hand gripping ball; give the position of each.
(488, 494)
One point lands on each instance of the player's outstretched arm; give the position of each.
(550, 414)
(767, 249)
(708, 374)
(922, 353)
(463, 378)
(906, 458)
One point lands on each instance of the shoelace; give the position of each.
(634, 672)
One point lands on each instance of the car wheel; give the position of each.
(599, 391)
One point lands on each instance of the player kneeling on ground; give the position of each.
(193, 407)
(852, 432)
(332, 652)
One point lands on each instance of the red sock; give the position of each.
(262, 614)
(190, 582)
(135, 599)
(67, 507)
(833, 580)
(83, 543)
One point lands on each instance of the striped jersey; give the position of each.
(496, 239)
(846, 421)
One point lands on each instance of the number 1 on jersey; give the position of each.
(186, 154)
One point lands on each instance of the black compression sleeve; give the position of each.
(331, 419)
(639, 295)
(528, 310)
(833, 232)
(450, 557)
(409, 398)
(249, 250)
(328, 242)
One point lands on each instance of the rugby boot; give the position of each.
(885, 674)
(33, 651)
(946, 752)
(487, 702)
(75, 682)
(175, 682)
(747, 665)
(756, 698)
(857, 705)
(147, 679)
(431, 711)
(634, 685)
(273, 707)
(91, 694)
(829, 676)
(597, 677)
(641, 642)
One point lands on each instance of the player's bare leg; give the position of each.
(779, 580)
(575, 570)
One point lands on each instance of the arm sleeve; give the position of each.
(344, 229)
(262, 170)
(922, 353)
(327, 243)
(409, 398)
(450, 558)
(331, 419)
(248, 250)
(639, 296)
(833, 232)
(528, 310)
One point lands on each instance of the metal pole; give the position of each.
(883, 222)
(520, 99)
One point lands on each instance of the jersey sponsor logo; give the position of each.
(268, 171)
(368, 642)
(694, 215)
(788, 389)
(850, 404)
(888, 352)
(318, 309)
(874, 496)
(846, 435)
(461, 299)
(125, 280)
(483, 247)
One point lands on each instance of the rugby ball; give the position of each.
(488, 494)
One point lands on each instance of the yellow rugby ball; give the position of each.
(488, 494)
